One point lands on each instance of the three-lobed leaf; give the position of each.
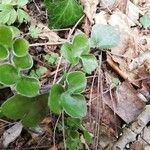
(76, 82)
(20, 47)
(8, 74)
(23, 63)
(30, 110)
(54, 100)
(3, 52)
(7, 33)
(89, 63)
(104, 36)
(27, 86)
(74, 105)
(63, 13)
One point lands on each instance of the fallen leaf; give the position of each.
(90, 7)
(11, 134)
(127, 106)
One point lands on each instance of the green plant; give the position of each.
(34, 31)
(11, 10)
(63, 13)
(79, 50)
(51, 58)
(69, 98)
(145, 21)
(104, 36)
(74, 130)
(29, 110)
(38, 72)
(15, 52)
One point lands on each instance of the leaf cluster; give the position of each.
(11, 10)
(16, 59)
(78, 50)
(69, 98)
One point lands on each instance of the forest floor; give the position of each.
(118, 91)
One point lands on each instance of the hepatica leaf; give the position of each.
(20, 47)
(89, 63)
(23, 63)
(30, 110)
(145, 21)
(74, 105)
(104, 36)
(76, 82)
(3, 52)
(27, 86)
(8, 74)
(54, 100)
(67, 52)
(7, 33)
(63, 13)
(72, 51)
(80, 45)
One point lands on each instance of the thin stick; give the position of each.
(44, 44)
(54, 143)
(63, 124)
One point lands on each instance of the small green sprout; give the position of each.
(79, 50)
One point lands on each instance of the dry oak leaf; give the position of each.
(90, 7)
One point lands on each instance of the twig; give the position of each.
(63, 124)
(54, 143)
(44, 44)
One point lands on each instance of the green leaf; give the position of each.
(23, 63)
(104, 36)
(68, 54)
(34, 31)
(52, 58)
(72, 51)
(74, 123)
(55, 98)
(30, 110)
(20, 47)
(8, 74)
(23, 16)
(6, 1)
(13, 17)
(89, 63)
(80, 45)
(5, 32)
(74, 105)
(76, 82)
(27, 86)
(73, 143)
(63, 13)
(22, 3)
(38, 72)
(8, 14)
(3, 53)
(145, 21)
(15, 31)
(88, 136)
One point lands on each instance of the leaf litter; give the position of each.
(126, 104)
